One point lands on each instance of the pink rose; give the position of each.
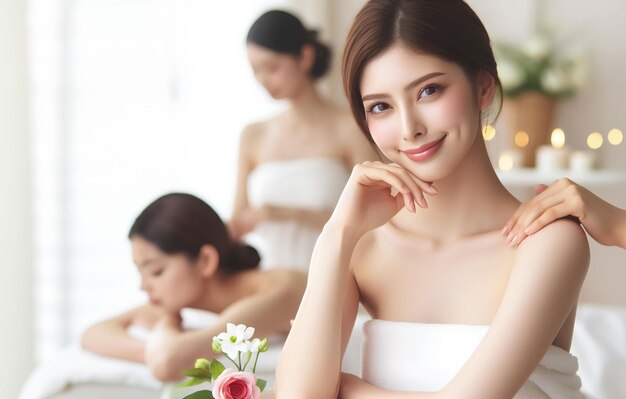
(233, 384)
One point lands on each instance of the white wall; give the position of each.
(15, 212)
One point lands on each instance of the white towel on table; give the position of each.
(74, 365)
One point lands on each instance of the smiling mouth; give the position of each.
(425, 151)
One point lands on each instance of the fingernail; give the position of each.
(514, 240)
(434, 189)
(509, 238)
(505, 230)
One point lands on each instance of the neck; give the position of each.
(306, 103)
(471, 201)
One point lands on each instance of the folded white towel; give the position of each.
(425, 357)
(73, 365)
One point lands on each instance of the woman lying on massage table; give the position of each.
(186, 259)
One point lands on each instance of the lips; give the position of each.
(425, 151)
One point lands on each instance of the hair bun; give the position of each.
(242, 257)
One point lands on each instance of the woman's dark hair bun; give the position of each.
(322, 60)
(243, 257)
(283, 32)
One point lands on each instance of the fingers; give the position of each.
(411, 188)
(539, 188)
(529, 213)
(556, 212)
(564, 210)
(542, 200)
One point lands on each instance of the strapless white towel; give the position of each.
(419, 357)
(307, 183)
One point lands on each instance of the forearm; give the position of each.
(113, 341)
(312, 352)
(168, 359)
(353, 387)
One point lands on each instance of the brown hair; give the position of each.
(449, 29)
(182, 223)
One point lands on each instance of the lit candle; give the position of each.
(615, 136)
(510, 159)
(584, 161)
(554, 156)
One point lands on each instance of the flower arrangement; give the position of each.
(541, 64)
(234, 382)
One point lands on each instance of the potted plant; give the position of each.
(535, 75)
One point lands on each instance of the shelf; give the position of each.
(531, 176)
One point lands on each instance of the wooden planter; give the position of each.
(533, 113)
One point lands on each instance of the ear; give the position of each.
(307, 57)
(208, 260)
(485, 89)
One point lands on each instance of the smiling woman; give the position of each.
(457, 312)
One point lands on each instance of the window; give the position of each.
(131, 99)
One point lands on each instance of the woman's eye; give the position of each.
(157, 273)
(428, 91)
(377, 108)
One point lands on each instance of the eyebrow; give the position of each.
(147, 262)
(407, 87)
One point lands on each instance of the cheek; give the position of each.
(384, 132)
(451, 111)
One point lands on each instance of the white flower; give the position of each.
(234, 339)
(579, 72)
(554, 80)
(536, 47)
(510, 74)
(254, 345)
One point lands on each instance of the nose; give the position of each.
(144, 285)
(412, 127)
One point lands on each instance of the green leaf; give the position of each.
(216, 368)
(200, 395)
(261, 383)
(198, 373)
(191, 382)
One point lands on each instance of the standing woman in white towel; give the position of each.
(187, 259)
(293, 166)
(457, 313)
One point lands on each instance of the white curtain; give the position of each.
(131, 99)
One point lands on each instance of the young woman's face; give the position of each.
(280, 74)
(420, 111)
(172, 282)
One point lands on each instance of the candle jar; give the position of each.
(551, 158)
(583, 161)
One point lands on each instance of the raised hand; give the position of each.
(564, 198)
(376, 192)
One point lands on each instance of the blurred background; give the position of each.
(107, 104)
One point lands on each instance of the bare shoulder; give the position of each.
(253, 133)
(289, 279)
(345, 124)
(563, 242)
